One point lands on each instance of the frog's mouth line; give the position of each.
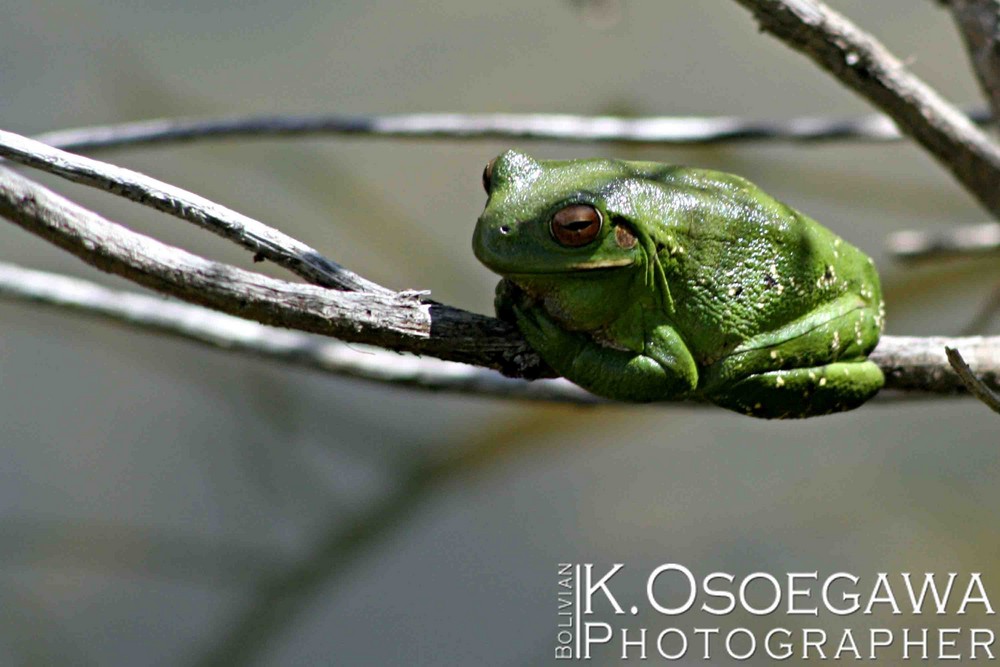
(596, 266)
(601, 264)
(581, 267)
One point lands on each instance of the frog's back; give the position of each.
(740, 262)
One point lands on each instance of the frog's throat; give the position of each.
(654, 275)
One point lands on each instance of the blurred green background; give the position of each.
(163, 504)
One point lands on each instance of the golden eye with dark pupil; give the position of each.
(576, 225)
(488, 175)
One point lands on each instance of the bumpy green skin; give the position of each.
(727, 294)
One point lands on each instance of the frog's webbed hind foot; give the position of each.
(802, 392)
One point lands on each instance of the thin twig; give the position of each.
(257, 237)
(858, 60)
(970, 241)
(975, 385)
(661, 130)
(235, 334)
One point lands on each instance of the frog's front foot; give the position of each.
(663, 370)
(506, 296)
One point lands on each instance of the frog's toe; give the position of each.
(506, 297)
(802, 392)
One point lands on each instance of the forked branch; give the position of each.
(862, 63)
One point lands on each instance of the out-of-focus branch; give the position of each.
(110, 547)
(970, 241)
(661, 130)
(975, 385)
(979, 23)
(987, 311)
(235, 334)
(263, 240)
(277, 599)
(858, 60)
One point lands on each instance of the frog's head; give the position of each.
(570, 234)
(555, 218)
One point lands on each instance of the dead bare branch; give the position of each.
(398, 321)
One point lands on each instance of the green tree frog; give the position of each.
(642, 281)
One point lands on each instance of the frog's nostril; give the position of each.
(505, 229)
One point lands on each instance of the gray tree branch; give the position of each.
(862, 63)
(403, 322)
(913, 362)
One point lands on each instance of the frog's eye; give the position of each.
(576, 225)
(488, 175)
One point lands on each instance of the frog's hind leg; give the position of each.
(812, 366)
(802, 392)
